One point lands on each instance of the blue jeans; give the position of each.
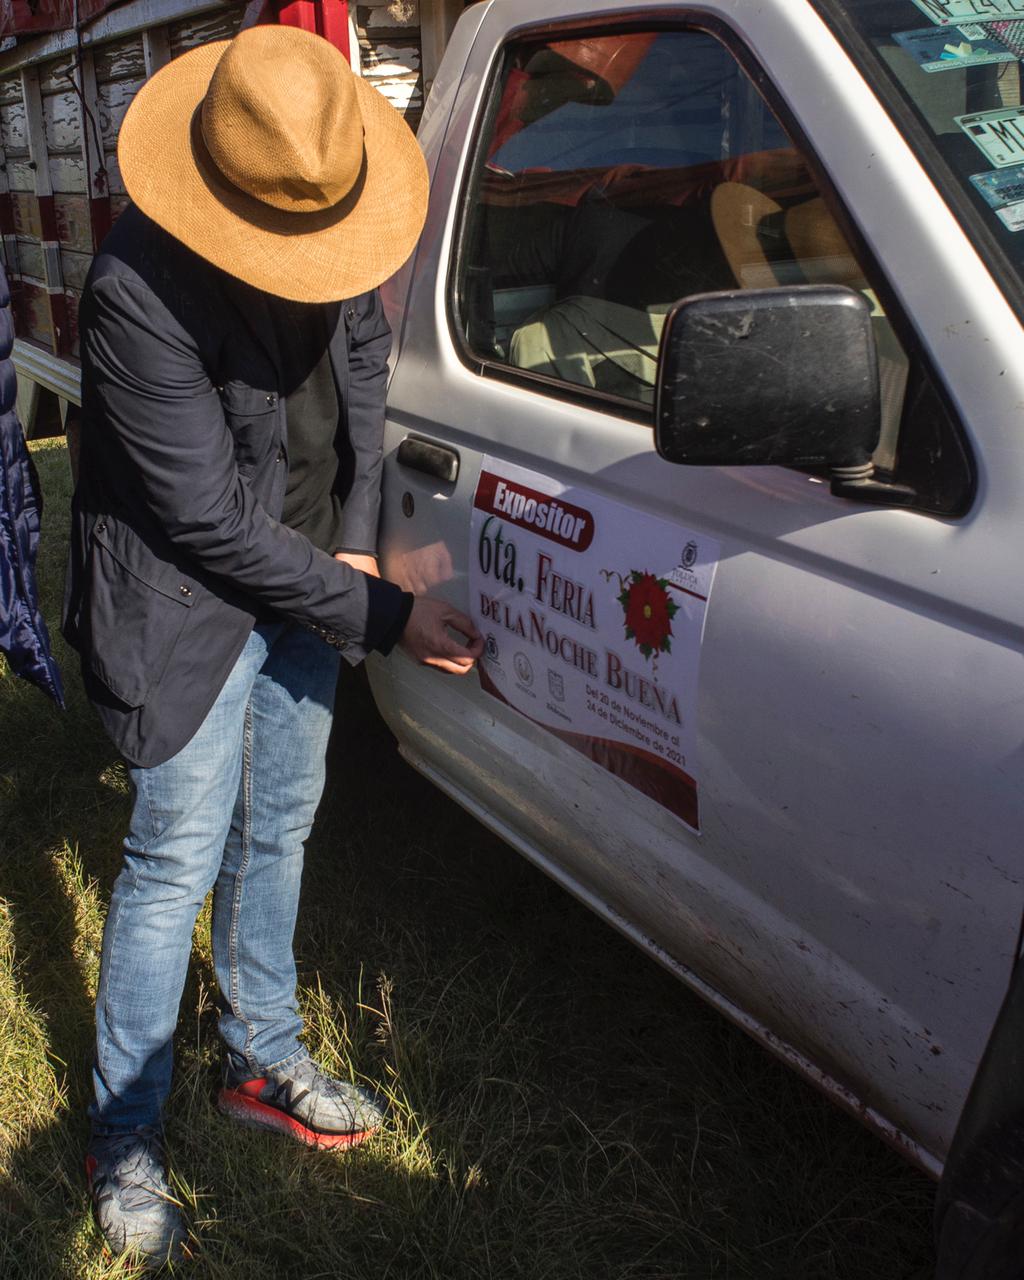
(230, 812)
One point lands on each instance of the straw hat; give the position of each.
(270, 158)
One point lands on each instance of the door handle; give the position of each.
(435, 459)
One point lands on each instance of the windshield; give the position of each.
(957, 64)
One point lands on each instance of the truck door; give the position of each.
(763, 729)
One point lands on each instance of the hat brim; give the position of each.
(321, 257)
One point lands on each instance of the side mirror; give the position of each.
(781, 377)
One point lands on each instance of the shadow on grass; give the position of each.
(561, 1107)
(61, 807)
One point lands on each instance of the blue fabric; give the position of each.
(23, 635)
(230, 811)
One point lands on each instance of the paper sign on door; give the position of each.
(593, 614)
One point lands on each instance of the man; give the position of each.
(234, 362)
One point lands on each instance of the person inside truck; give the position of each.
(234, 360)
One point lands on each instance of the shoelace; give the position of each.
(312, 1081)
(134, 1163)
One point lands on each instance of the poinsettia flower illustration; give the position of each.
(649, 612)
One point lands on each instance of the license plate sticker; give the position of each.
(955, 12)
(1003, 190)
(998, 135)
(950, 48)
(1012, 216)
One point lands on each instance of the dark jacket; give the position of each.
(23, 636)
(177, 547)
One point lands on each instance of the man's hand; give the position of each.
(365, 564)
(426, 639)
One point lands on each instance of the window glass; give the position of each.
(957, 64)
(619, 173)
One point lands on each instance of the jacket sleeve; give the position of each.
(369, 345)
(163, 414)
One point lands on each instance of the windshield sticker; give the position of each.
(1012, 216)
(593, 614)
(998, 135)
(1003, 189)
(949, 48)
(955, 12)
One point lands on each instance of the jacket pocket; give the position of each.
(251, 417)
(136, 610)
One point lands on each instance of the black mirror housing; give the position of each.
(781, 377)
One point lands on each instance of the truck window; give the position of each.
(619, 172)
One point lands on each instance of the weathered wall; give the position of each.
(52, 222)
(389, 53)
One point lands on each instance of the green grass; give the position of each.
(561, 1107)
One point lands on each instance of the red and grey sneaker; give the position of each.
(301, 1101)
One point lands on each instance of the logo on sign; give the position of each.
(556, 685)
(524, 671)
(689, 557)
(491, 648)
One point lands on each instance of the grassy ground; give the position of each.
(561, 1107)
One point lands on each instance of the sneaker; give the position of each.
(133, 1202)
(301, 1101)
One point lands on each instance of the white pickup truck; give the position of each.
(754, 607)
